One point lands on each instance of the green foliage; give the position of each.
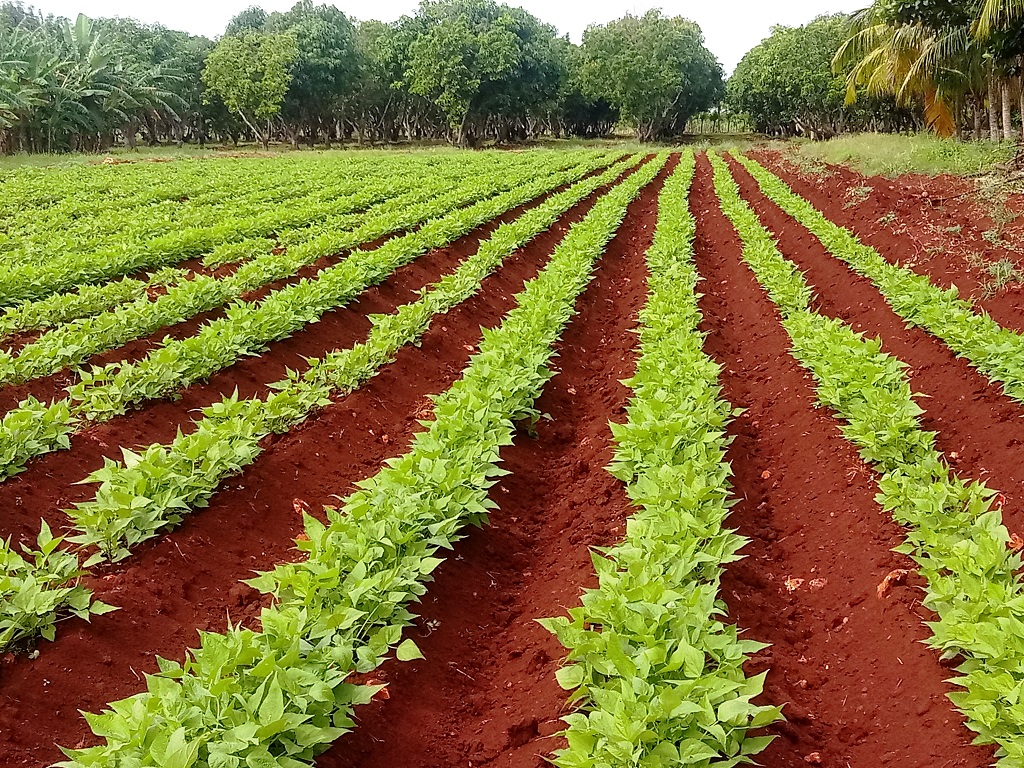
(251, 74)
(996, 352)
(39, 589)
(76, 342)
(895, 154)
(174, 232)
(278, 697)
(939, 53)
(786, 83)
(477, 57)
(465, 71)
(62, 81)
(252, 19)
(326, 69)
(86, 301)
(954, 530)
(659, 677)
(247, 327)
(146, 494)
(654, 69)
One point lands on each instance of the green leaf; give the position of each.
(408, 651)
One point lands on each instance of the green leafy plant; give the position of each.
(77, 342)
(279, 696)
(38, 589)
(657, 675)
(148, 493)
(954, 529)
(247, 327)
(996, 352)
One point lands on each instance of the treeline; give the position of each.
(953, 66)
(788, 86)
(465, 71)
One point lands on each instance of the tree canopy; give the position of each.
(251, 73)
(788, 85)
(954, 57)
(466, 71)
(654, 69)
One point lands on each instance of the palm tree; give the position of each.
(64, 86)
(943, 66)
(996, 15)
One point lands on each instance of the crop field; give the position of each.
(572, 457)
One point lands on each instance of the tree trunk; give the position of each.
(1020, 94)
(1007, 101)
(976, 107)
(131, 135)
(993, 109)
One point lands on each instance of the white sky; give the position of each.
(732, 27)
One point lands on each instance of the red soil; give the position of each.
(251, 522)
(978, 427)
(486, 692)
(934, 225)
(861, 687)
(50, 483)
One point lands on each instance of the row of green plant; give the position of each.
(200, 195)
(658, 677)
(954, 528)
(137, 182)
(286, 237)
(280, 696)
(80, 191)
(34, 427)
(31, 281)
(61, 308)
(90, 300)
(151, 492)
(52, 236)
(996, 352)
(39, 587)
(239, 251)
(37, 273)
(172, 480)
(76, 342)
(166, 482)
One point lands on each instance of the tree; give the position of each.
(74, 86)
(787, 86)
(482, 63)
(579, 114)
(251, 73)
(252, 19)
(654, 69)
(326, 69)
(384, 108)
(953, 55)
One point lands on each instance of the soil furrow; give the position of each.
(486, 692)
(188, 579)
(980, 429)
(860, 687)
(50, 483)
(48, 388)
(934, 225)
